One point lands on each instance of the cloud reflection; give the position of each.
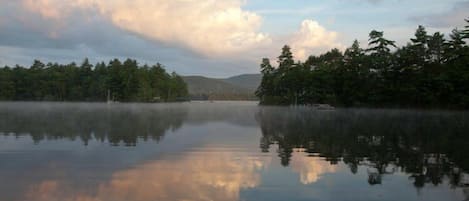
(310, 168)
(196, 176)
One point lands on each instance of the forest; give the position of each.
(117, 81)
(430, 71)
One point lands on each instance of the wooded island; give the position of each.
(430, 71)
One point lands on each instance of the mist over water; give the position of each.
(229, 151)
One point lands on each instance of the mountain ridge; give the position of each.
(238, 87)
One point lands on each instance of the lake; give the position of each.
(229, 151)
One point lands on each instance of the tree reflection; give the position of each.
(119, 125)
(428, 146)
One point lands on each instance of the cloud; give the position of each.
(214, 38)
(211, 28)
(312, 38)
(49, 9)
(290, 11)
(205, 26)
(450, 19)
(85, 32)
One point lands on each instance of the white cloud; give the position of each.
(208, 27)
(215, 30)
(291, 11)
(50, 9)
(312, 38)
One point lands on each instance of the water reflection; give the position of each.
(119, 124)
(211, 176)
(428, 146)
(229, 151)
(116, 124)
(310, 169)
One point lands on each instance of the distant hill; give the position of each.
(204, 85)
(241, 87)
(247, 81)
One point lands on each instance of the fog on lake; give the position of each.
(229, 151)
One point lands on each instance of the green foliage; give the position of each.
(125, 82)
(285, 59)
(429, 71)
(419, 46)
(465, 32)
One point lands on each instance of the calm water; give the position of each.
(229, 151)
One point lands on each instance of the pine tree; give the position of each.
(419, 46)
(285, 60)
(379, 45)
(465, 32)
(436, 47)
(266, 87)
(454, 47)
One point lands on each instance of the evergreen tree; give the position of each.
(265, 90)
(351, 76)
(7, 84)
(86, 75)
(285, 63)
(419, 46)
(465, 32)
(379, 50)
(378, 44)
(285, 60)
(381, 67)
(125, 81)
(436, 45)
(455, 46)
(427, 72)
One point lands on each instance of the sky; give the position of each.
(215, 38)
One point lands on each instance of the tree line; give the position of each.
(117, 81)
(430, 71)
